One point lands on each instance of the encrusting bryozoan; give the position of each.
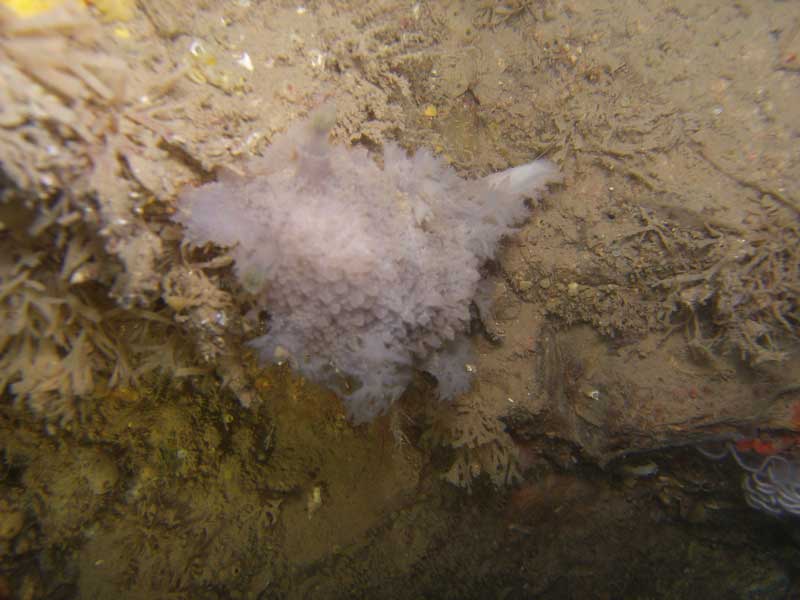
(367, 272)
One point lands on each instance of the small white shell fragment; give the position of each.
(646, 470)
(196, 47)
(244, 61)
(314, 500)
(317, 59)
(281, 355)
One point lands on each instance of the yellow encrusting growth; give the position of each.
(114, 10)
(111, 10)
(29, 8)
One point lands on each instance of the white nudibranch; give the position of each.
(366, 271)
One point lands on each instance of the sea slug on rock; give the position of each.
(366, 271)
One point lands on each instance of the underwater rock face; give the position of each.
(367, 272)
